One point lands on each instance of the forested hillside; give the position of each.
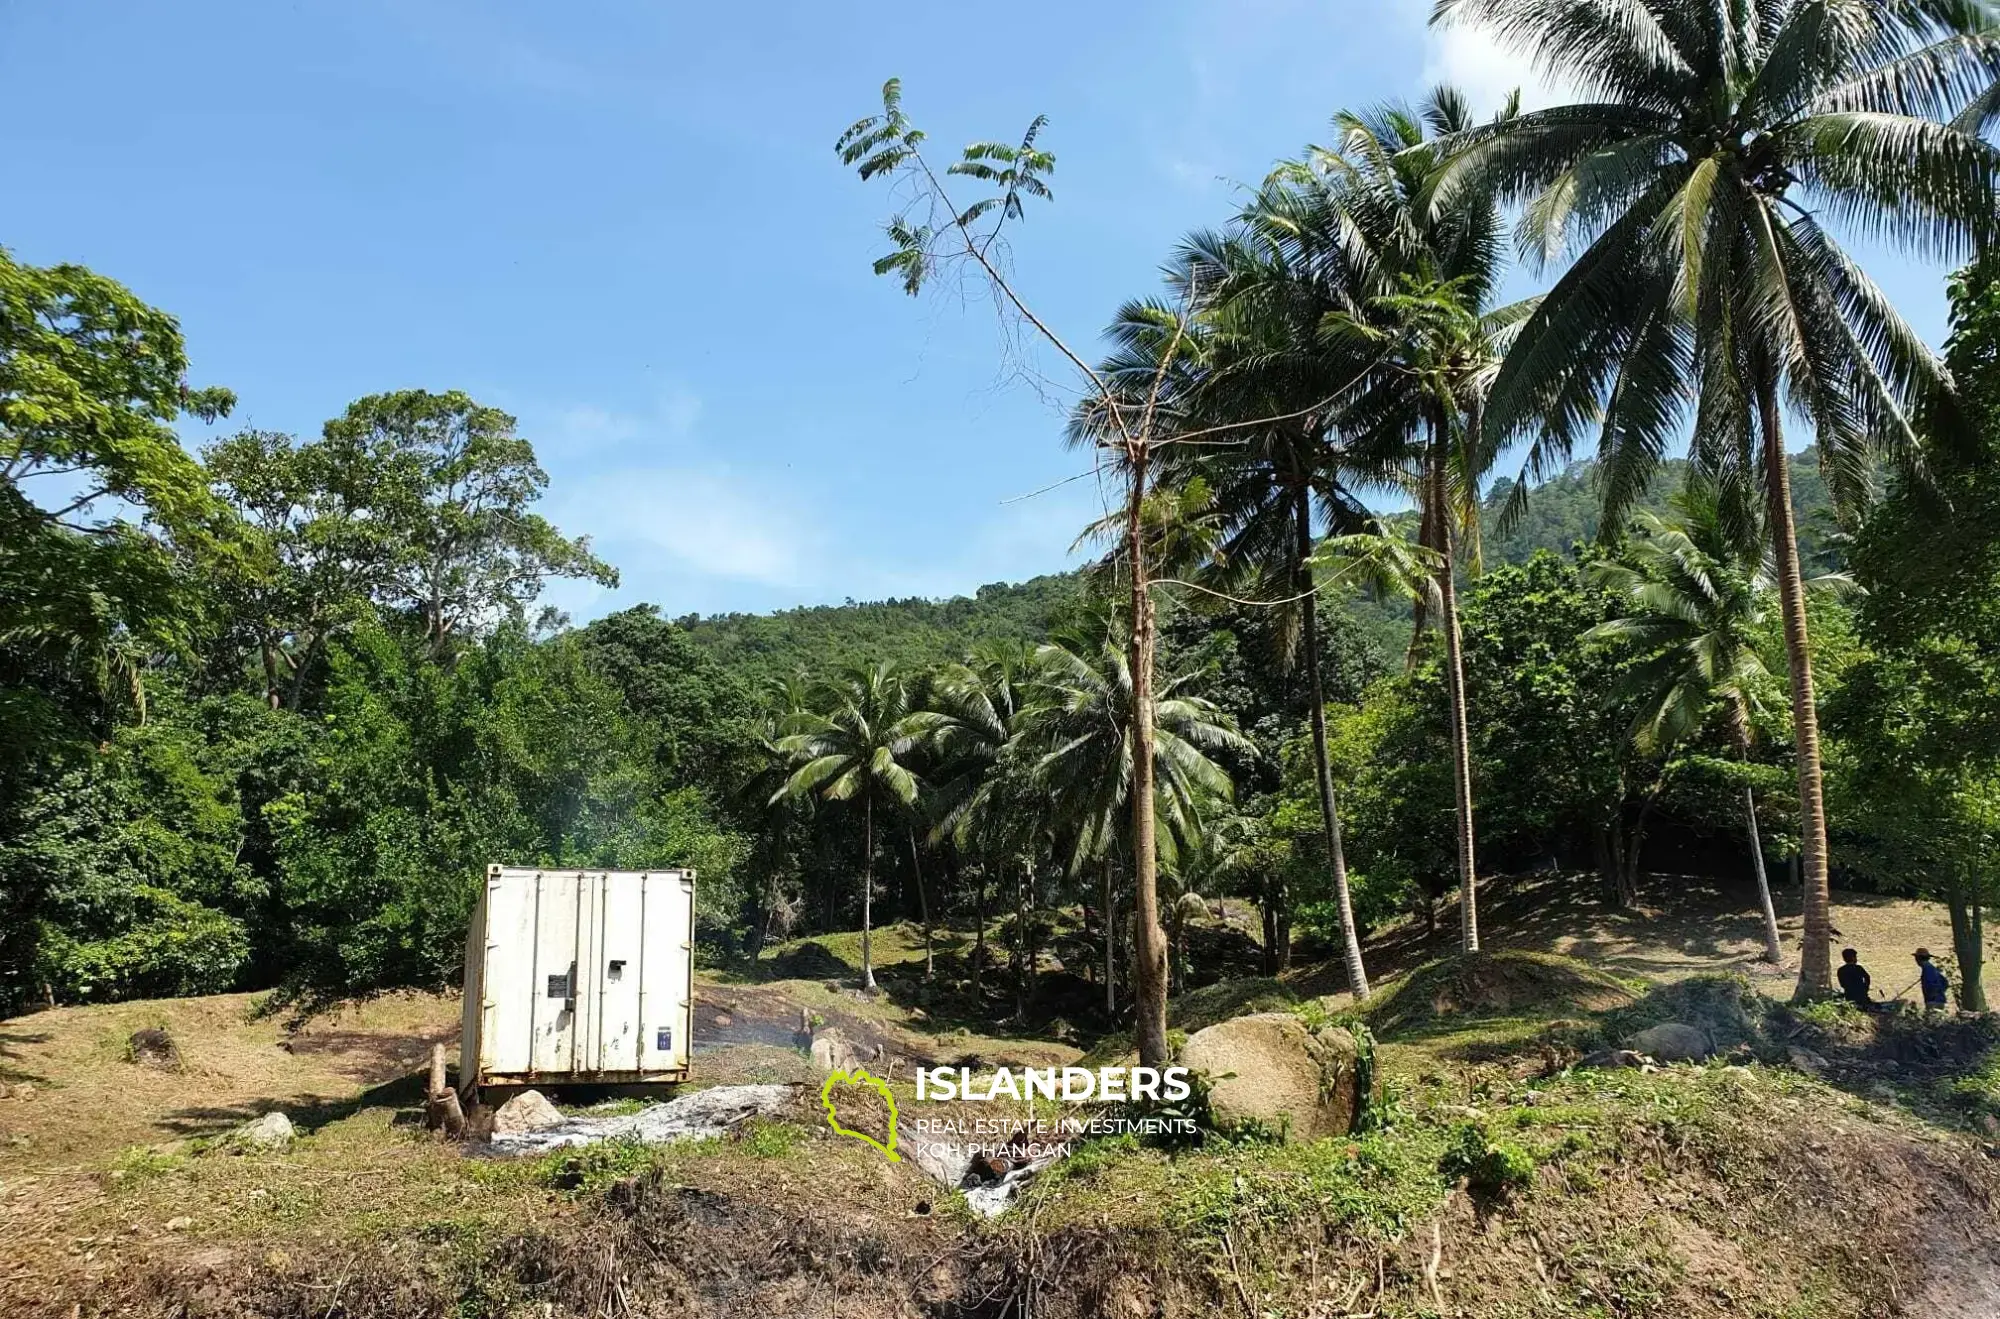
(1568, 507)
(760, 648)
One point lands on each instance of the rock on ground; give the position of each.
(529, 1111)
(689, 1117)
(1673, 1042)
(834, 1052)
(273, 1131)
(1268, 1071)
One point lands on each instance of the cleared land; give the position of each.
(1712, 1190)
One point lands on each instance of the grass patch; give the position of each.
(772, 1140)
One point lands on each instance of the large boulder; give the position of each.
(1267, 1072)
(525, 1112)
(1673, 1042)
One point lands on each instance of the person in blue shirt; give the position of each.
(1934, 984)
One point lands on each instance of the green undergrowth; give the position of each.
(1565, 1135)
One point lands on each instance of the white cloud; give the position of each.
(1486, 70)
(585, 428)
(685, 528)
(660, 522)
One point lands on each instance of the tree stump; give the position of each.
(442, 1111)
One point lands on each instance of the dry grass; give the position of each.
(90, 1098)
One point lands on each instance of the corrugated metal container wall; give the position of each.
(579, 976)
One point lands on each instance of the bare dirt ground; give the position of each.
(1685, 925)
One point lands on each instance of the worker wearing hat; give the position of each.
(1932, 979)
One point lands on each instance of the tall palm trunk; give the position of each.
(1022, 970)
(1815, 956)
(979, 939)
(1461, 753)
(867, 890)
(1149, 979)
(1110, 945)
(923, 905)
(1329, 811)
(1773, 951)
(1739, 718)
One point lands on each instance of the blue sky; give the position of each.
(623, 222)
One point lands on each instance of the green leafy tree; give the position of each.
(445, 486)
(299, 569)
(92, 481)
(1711, 144)
(1918, 718)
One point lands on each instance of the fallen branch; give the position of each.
(1236, 1273)
(1431, 1267)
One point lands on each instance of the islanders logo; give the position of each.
(860, 1076)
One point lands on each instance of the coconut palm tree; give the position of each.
(1082, 733)
(851, 746)
(1696, 607)
(1079, 733)
(1279, 487)
(1427, 331)
(979, 707)
(1695, 176)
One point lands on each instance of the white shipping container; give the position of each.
(581, 977)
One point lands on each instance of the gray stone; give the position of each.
(273, 1131)
(1673, 1042)
(832, 1051)
(1268, 1072)
(525, 1112)
(1806, 1060)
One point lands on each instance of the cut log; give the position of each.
(442, 1111)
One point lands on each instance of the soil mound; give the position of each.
(807, 961)
(152, 1046)
(1724, 1007)
(1498, 984)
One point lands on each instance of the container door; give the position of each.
(621, 943)
(665, 1010)
(554, 1002)
(506, 1029)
